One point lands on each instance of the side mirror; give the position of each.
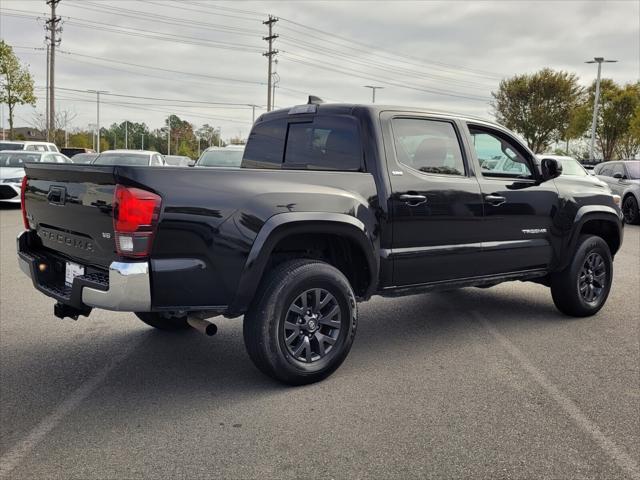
(192, 163)
(551, 168)
(618, 176)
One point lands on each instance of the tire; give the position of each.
(581, 290)
(163, 322)
(630, 210)
(302, 322)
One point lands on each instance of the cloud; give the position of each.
(430, 53)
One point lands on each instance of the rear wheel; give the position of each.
(163, 321)
(582, 288)
(302, 323)
(630, 210)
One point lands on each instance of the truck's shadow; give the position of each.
(186, 366)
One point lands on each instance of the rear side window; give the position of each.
(265, 147)
(430, 146)
(327, 143)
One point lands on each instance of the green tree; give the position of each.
(16, 84)
(629, 145)
(208, 135)
(538, 106)
(616, 112)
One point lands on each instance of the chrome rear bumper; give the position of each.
(128, 288)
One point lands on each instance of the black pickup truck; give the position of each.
(333, 204)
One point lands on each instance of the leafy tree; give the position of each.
(16, 84)
(538, 106)
(629, 145)
(209, 136)
(615, 114)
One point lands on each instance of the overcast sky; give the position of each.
(446, 55)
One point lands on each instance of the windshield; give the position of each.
(84, 157)
(221, 158)
(11, 146)
(634, 169)
(18, 159)
(122, 159)
(176, 160)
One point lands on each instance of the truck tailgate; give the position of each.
(70, 208)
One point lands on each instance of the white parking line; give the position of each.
(617, 454)
(12, 458)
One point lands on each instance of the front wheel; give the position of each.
(582, 288)
(302, 322)
(630, 210)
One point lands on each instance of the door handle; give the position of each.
(413, 199)
(495, 200)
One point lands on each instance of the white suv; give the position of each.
(26, 145)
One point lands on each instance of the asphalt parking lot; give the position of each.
(469, 384)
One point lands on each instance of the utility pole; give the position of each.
(97, 92)
(46, 119)
(198, 146)
(596, 100)
(373, 91)
(66, 133)
(53, 27)
(169, 135)
(126, 135)
(270, 54)
(142, 135)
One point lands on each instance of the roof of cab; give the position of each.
(374, 109)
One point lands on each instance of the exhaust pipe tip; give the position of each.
(203, 326)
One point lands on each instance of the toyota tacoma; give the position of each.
(333, 204)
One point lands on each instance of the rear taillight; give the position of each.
(23, 189)
(135, 218)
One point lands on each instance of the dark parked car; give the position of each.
(332, 204)
(623, 177)
(73, 151)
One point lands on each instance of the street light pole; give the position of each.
(596, 100)
(97, 92)
(373, 91)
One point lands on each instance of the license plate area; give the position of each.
(72, 270)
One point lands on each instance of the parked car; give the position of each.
(177, 160)
(84, 157)
(12, 170)
(227, 157)
(73, 151)
(28, 145)
(573, 170)
(332, 204)
(129, 157)
(623, 177)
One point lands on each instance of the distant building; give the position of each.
(24, 133)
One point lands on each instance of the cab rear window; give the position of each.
(321, 143)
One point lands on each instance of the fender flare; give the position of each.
(281, 225)
(584, 215)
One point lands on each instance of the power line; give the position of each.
(395, 54)
(356, 73)
(155, 17)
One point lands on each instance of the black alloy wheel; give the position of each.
(592, 280)
(312, 325)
